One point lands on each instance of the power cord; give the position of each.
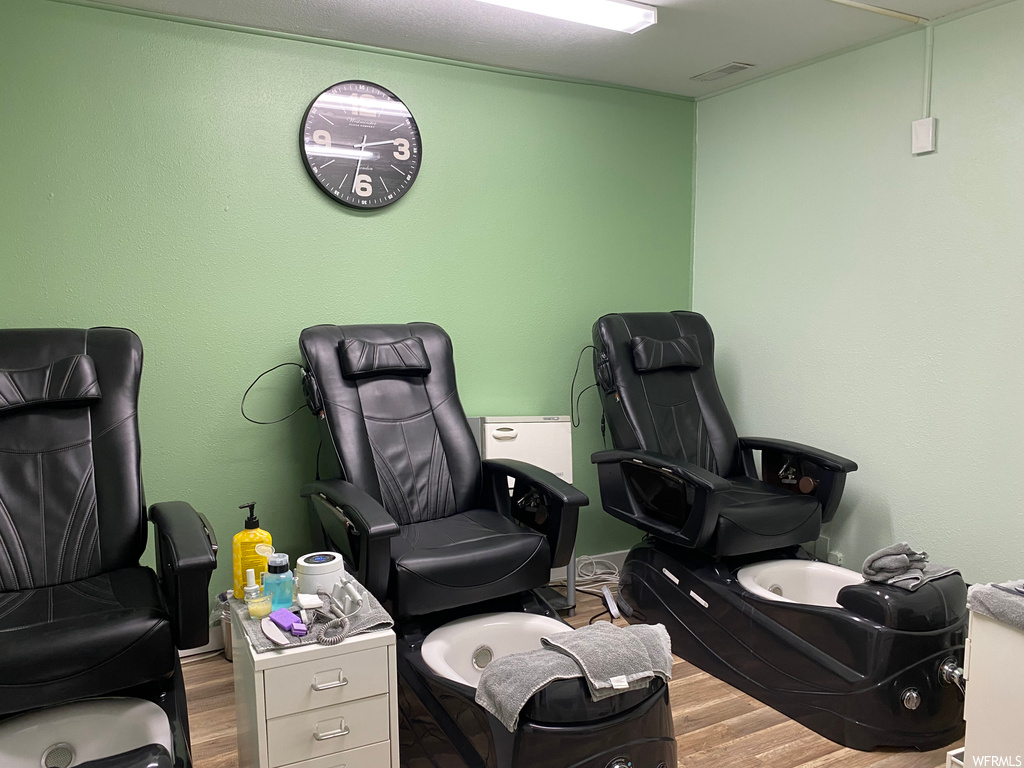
(574, 407)
(595, 577)
(593, 572)
(275, 421)
(338, 625)
(597, 616)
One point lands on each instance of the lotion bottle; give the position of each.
(243, 550)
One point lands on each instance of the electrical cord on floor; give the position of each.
(593, 572)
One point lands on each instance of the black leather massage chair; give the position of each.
(434, 533)
(863, 666)
(80, 618)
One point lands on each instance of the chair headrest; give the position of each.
(69, 379)
(362, 359)
(655, 354)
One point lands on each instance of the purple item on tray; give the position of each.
(298, 629)
(284, 618)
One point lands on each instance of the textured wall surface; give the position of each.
(151, 179)
(871, 302)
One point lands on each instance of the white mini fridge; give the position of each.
(544, 441)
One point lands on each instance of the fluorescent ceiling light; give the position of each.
(619, 15)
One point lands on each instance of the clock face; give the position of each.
(360, 144)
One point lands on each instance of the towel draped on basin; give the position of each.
(611, 659)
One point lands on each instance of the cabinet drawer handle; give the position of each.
(343, 731)
(342, 680)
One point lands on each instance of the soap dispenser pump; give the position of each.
(243, 550)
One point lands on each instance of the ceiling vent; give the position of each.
(729, 69)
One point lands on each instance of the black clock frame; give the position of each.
(416, 150)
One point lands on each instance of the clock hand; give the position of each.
(358, 166)
(373, 143)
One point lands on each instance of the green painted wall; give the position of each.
(871, 302)
(151, 179)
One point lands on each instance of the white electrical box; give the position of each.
(922, 134)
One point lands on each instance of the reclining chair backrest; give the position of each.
(393, 424)
(656, 372)
(71, 501)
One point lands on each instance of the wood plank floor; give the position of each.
(716, 725)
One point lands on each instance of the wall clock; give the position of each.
(360, 144)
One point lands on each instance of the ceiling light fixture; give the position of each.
(883, 11)
(618, 15)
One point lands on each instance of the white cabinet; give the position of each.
(994, 669)
(316, 706)
(545, 442)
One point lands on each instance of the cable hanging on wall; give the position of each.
(275, 421)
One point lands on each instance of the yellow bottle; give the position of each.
(243, 550)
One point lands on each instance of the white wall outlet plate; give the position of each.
(923, 133)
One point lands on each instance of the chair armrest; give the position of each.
(823, 459)
(671, 498)
(358, 526)
(364, 510)
(186, 556)
(551, 483)
(542, 501)
(687, 471)
(826, 471)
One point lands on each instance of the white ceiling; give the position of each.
(691, 37)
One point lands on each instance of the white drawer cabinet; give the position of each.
(994, 670)
(316, 706)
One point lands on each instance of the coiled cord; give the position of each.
(594, 573)
(327, 634)
(338, 625)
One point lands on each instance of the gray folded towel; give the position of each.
(616, 659)
(913, 578)
(891, 561)
(658, 644)
(902, 566)
(508, 682)
(1002, 602)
